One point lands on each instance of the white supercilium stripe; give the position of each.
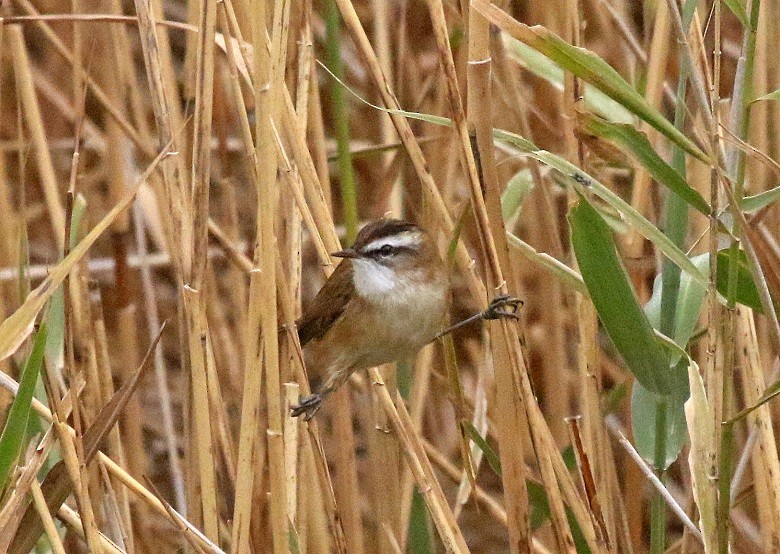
(408, 240)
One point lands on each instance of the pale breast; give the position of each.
(389, 321)
(407, 316)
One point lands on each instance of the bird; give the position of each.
(389, 297)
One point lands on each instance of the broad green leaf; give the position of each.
(747, 293)
(635, 143)
(644, 413)
(689, 302)
(585, 181)
(545, 68)
(761, 200)
(590, 68)
(770, 96)
(644, 402)
(614, 299)
(515, 192)
(19, 414)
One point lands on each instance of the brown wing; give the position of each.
(328, 305)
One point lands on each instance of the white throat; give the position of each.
(375, 281)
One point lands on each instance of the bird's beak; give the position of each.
(346, 253)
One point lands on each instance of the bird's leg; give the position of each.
(496, 308)
(310, 405)
(501, 306)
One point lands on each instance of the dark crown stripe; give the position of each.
(383, 228)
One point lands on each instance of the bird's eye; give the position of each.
(386, 250)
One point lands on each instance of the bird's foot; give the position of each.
(503, 306)
(307, 405)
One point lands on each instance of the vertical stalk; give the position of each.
(740, 121)
(657, 504)
(346, 479)
(675, 226)
(341, 119)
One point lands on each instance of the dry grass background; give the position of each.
(236, 164)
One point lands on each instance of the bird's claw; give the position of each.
(308, 405)
(495, 308)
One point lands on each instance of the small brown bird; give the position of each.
(386, 300)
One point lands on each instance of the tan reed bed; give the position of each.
(197, 163)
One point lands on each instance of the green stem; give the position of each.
(341, 120)
(725, 467)
(676, 228)
(657, 505)
(725, 463)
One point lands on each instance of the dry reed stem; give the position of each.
(196, 333)
(34, 122)
(172, 169)
(291, 465)
(388, 490)
(48, 523)
(268, 99)
(14, 508)
(104, 544)
(477, 143)
(75, 466)
(116, 447)
(227, 447)
(766, 466)
(588, 359)
(596, 443)
(72, 449)
(345, 481)
(314, 446)
(588, 480)
(201, 142)
(115, 470)
(430, 191)
(656, 75)
(429, 487)
(96, 89)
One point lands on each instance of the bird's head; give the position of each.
(389, 253)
